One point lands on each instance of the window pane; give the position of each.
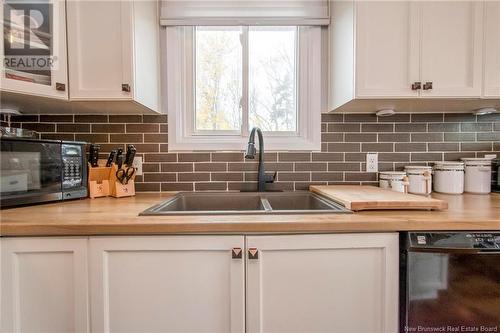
(272, 78)
(218, 78)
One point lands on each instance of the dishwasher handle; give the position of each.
(444, 250)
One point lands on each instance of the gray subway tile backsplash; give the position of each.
(106, 128)
(70, 128)
(40, 127)
(443, 146)
(325, 156)
(459, 137)
(403, 139)
(461, 117)
(377, 147)
(427, 137)
(377, 127)
(427, 117)
(406, 146)
(360, 137)
(476, 146)
(92, 118)
(443, 127)
(394, 137)
(476, 127)
(410, 127)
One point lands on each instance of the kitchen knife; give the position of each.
(129, 158)
(119, 152)
(119, 161)
(91, 154)
(94, 155)
(111, 157)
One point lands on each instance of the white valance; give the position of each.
(244, 12)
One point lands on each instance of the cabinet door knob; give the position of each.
(427, 85)
(416, 86)
(236, 252)
(60, 86)
(253, 253)
(125, 87)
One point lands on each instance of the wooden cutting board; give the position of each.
(355, 197)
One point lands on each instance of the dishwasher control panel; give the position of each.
(455, 240)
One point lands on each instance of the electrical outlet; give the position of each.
(372, 162)
(137, 164)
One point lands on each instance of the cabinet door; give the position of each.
(34, 48)
(167, 284)
(100, 49)
(451, 48)
(323, 283)
(492, 49)
(386, 49)
(44, 285)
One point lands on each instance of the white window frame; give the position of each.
(180, 90)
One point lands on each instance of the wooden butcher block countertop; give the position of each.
(110, 216)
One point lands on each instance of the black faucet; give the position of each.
(250, 154)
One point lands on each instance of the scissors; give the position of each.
(125, 174)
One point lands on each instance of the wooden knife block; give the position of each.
(99, 181)
(117, 189)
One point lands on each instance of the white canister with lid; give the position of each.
(449, 177)
(420, 179)
(394, 180)
(477, 175)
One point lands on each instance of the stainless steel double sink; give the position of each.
(228, 203)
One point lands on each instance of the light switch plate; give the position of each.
(137, 164)
(372, 162)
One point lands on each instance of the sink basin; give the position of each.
(300, 201)
(217, 203)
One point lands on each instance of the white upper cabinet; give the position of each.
(99, 43)
(408, 49)
(113, 50)
(167, 284)
(491, 83)
(323, 283)
(451, 48)
(44, 285)
(387, 59)
(34, 48)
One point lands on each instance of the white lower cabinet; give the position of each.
(323, 283)
(274, 284)
(44, 285)
(167, 284)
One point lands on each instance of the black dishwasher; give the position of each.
(450, 282)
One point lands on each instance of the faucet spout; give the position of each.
(251, 152)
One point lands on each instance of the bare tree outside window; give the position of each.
(272, 78)
(218, 78)
(270, 74)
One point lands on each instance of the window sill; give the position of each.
(200, 143)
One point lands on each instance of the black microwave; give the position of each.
(34, 171)
(495, 176)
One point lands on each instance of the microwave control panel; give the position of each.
(72, 157)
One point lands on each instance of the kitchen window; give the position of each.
(245, 77)
(223, 80)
